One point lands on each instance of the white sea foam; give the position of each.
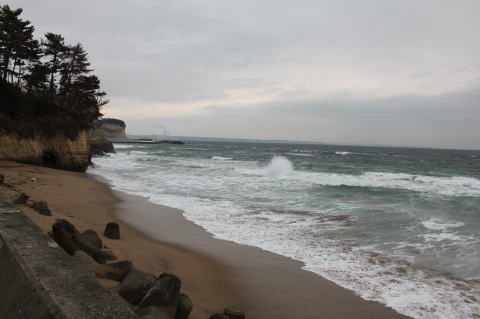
(343, 153)
(441, 224)
(122, 146)
(221, 158)
(300, 154)
(416, 293)
(278, 167)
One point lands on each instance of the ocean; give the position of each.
(397, 225)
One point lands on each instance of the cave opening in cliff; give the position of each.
(49, 158)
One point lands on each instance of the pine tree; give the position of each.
(53, 49)
(75, 64)
(17, 46)
(36, 80)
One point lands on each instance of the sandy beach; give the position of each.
(214, 273)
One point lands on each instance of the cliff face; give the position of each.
(113, 128)
(99, 145)
(59, 152)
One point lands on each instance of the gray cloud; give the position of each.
(338, 71)
(446, 120)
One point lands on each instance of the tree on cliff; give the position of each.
(47, 89)
(53, 50)
(17, 46)
(75, 65)
(36, 79)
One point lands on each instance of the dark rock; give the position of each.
(96, 253)
(2, 179)
(21, 198)
(114, 271)
(45, 212)
(40, 204)
(41, 207)
(109, 255)
(234, 313)
(92, 237)
(135, 286)
(101, 146)
(164, 292)
(112, 231)
(64, 224)
(66, 235)
(85, 261)
(70, 239)
(184, 307)
(154, 313)
(218, 316)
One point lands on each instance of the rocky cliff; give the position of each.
(99, 145)
(56, 151)
(113, 128)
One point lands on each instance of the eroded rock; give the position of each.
(154, 313)
(112, 231)
(234, 313)
(21, 198)
(109, 255)
(70, 239)
(135, 286)
(66, 235)
(114, 271)
(92, 237)
(162, 298)
(41, 207)
(184, 307)
(85, 261)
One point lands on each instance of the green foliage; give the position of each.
(44, 88)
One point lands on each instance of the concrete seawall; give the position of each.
(38, 280)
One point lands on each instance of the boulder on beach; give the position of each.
(92, 237)
(114, 271)
(21, 198)
(66, 235)
(154, 313)
(109, 255)
(162, 298)
(184, 307)
(164, 292)
(135, 286)
(218, 316)
(2, 179)
(234, 313)
(96, 253)
(41, 207)
(70, 239)
(112, 231)
(85, 261)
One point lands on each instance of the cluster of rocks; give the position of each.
(229, 313)
(40, 206)
(148, 295)
(71, 240)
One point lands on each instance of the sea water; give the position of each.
(396, 225)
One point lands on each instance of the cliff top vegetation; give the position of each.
(46, 86)
(113, 121)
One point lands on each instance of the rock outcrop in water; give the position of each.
(113, 128)
(99, 145)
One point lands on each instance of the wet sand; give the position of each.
(214, 273)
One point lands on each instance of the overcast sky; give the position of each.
(398, 72)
